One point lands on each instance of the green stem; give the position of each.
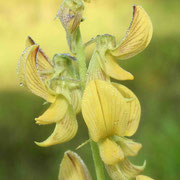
(80, 54)
(97, 161)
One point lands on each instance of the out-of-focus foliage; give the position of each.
(156, 72)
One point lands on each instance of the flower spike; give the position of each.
(111, 111)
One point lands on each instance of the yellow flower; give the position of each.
(112, 111)
(56, 82)
(73, 168)
(103, 64)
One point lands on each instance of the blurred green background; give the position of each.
(156, 71)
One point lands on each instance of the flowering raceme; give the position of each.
(57, 83)
(110, 110)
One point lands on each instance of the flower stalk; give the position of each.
(80, 54)
(97, 161)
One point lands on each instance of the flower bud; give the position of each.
(70, 15)
(73, 168)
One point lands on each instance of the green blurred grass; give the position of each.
(156, 84)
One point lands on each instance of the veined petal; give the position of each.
(21, 67)
(43, 63)
(28, 75)
(104, 110)
(134, 109)
(73, 168)
(137, 37)
(55, 112)
(64, 131)
(110, 152)
(141, 177)
(130, 170)
(76, 100)
(112, 69)
(115, 173)
(129, 147)
(124, 170)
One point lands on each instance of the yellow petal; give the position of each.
(129, 147)
(32, 78)
(137, 37)
(43, 63)
(73, 168)
(112, 69)
(64, 131)
(129, 169)
(110, 152)
(124, 170)
(115, 173)
(134, 109)
(28, 75)
(55, 112)
(21, 67)
(104, 110)
(76, 100)
(141, 177)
